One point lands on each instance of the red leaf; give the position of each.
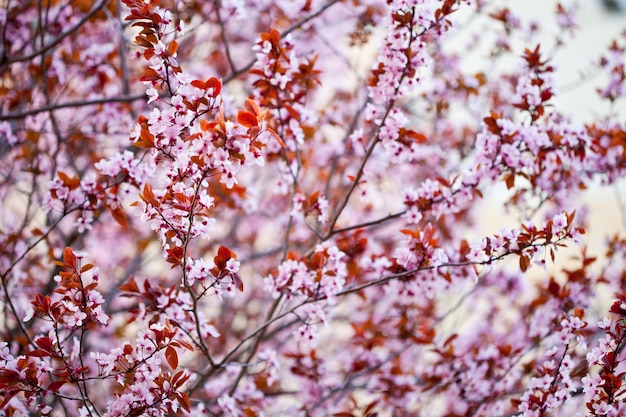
(151, 75)
(186, 345)
(39, 353)
(198, 84)
(130, 286)
(247, 119)
(45, 343)
(148, 195)
(71, 183)
(554, 287)
(215, 84)
(292, 112)
(237, 281)
(141, 41)
(56, 385)
(274, 36)
(205, 125)
(172, 357)
(570, 219)
(176, 377)
(224, 253)
(146, 140)
(280, 141)
(69, 258)
(524, 263)
(172, 48)
(417, 137)
(179, 379)
(509, 179)
(128, 349)
(251, 107)
(492, 124)
(370, 407)
(175, 255)
(464, 249)
(183, 400)
(119, 216)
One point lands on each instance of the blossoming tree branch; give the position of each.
(272, 208)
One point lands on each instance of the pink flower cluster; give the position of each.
(321, 278)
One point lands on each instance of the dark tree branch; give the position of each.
(94, 102)
(95, 9)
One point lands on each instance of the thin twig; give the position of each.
(370, 223)
(298, 25)
(94, 102)
(95, 9)
(220, 21)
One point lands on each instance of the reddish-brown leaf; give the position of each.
(570, 219)
(145, 140)
(215, 84)
(224, 253)
(129, 286)
(509, 179)
(237, 281)
(292, 112)
(183, 400)
(69, 258)
(39, 353)
(370, 407)
(524, 263)
(148, 195)
(172, 357)
(119, 216)
(71, 183)
(141, 41)
(172, 48)
(204, 125)
(184, 344)
(280, 141)
(274, 37)
(417, 137)
(6, 397)
(247, 119)
(55, 386)
(175, 256)
(45, 343)
(150, 75)
(251, 106)
(198, 84)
